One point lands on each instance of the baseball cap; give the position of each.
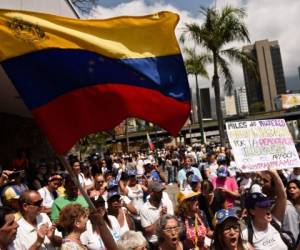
(224, 214)
(194, 179)
(155, 186)
(222, 172)
(186, 194)
(258, 200)
(113, 194)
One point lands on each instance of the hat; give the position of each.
(186, 194)
(54, 177)
(222, 172)
(194, 179)
(112, 184)
(113, 194)
(155, 186)
(222, 160)
(224, 214)
(131, 172)
(258, 200)
(9, 193)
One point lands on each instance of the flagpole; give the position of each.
(70, 170)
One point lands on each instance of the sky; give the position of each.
(267, 19)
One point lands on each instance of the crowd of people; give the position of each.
(217, 206)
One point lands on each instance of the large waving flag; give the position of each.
(83, 76)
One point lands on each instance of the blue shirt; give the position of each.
(181, 177)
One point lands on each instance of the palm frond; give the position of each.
(224, 69)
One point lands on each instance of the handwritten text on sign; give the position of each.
(258, 145)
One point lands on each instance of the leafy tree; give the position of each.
(219, 29)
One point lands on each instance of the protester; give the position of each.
(292, 214)
(187, 167)
(72, 222)
(94, 238)
(227, 234)
(135, 192)
(225, 186)
(115, 209)
(8, 228)
(71, 196)
(151, 211)
(40, 179)
(87, 175)
(35, 228)
(168, 233)
(49, 192)
(99, 188)
(12, 191)
(75, 164)
(264, 220)
(196, 227)
(132, 240)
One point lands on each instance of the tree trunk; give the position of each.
(126, 134)
(199, 111)
(216, 85)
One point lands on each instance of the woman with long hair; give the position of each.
(293, 193)
(72, 222)
(92, 237)
(168, 230)
(194, 221)
(227, 234)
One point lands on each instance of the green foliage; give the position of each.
(219, 29)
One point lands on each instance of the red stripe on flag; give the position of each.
(101, 107)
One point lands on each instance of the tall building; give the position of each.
(205, 102)
(230, 107)
(270, 82)
(241, 100)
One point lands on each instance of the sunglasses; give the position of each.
(35, 204)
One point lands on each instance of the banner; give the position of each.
(263, 144)
(290, 100)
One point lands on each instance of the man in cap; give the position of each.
(49, 193)
(187, 167)
(158, 204)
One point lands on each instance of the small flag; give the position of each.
(151, 145)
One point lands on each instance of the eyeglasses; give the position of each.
(35, 204)
(171, 229)
(227, 229)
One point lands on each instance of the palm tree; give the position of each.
(219, 29)
(195, 65)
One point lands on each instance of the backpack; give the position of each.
(286, 236)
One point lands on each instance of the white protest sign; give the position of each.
(258, 145)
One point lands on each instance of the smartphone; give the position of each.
(16, 174)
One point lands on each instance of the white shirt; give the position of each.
(150, 214)
(268, 239)
(48, 197)
(27, 235)
(92, 240)
(140, 167)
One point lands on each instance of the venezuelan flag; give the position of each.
(83, 76)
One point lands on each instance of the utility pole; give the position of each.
(199, 111)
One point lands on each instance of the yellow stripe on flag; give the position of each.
(23, 32)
